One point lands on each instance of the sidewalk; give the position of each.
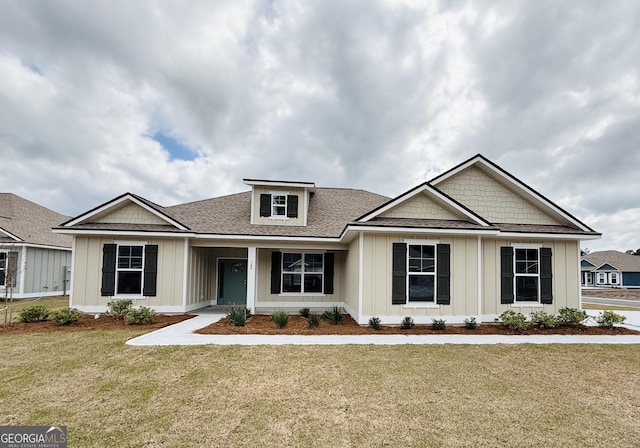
(183, 334)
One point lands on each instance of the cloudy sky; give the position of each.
(181, 100)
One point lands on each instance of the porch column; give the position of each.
(251, 277)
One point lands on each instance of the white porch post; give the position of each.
(251, 277)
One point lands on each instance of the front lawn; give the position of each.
(113, 395)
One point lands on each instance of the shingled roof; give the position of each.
(620, 260)
(29, 222)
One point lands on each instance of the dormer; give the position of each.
(280, 203)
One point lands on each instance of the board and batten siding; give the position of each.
(203, 272)
(302, 206)
(350, 279)
(87, 278)
(377, 278)
(565, 283)
(44, 270)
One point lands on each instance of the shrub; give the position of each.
(470, 323)
(35, 313)
(571, 317)
(280, 318)
(333, 315)
(608, 319)
(407, 323)
(139, 316)
(238, 315)
(438, 324)
(66, 316)
(374, 323)
(314, 320)
(513, 321)
(118, 309)
(543, 320)
(304, 312)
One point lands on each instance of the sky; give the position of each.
(180, 100)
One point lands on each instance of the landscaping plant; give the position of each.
(314, 320)
(238, 315)
(513, 321)
(304, 312)
(571, 317)
(66, 316)
(543, 320)
(334, 315)
(374, 323)
(470, 323)
(118, 309)
(280, 318)
(35, 313)
(438, 324)
(608, 319)
(407, 323)
(139, 316)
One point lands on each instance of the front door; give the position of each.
(232, 281)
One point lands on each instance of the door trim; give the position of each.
(246, 260)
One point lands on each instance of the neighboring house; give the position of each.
(610, 268)
(34, 260)
(474, 241)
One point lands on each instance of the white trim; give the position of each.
(417, 230)
(101, 309)
(253, 194)
(419, 242)
(131, 296)
(479, 310)
(281, 238)
(185, 273)
(215, 302)
(526, 245)
(360, 272)
(527, 304)
(252, 273)
(9, 234)
(432, 191)
(35, 246)
(113, 203)
(275, 183)
(34, 295)
(298, 304)
(23, 268)
(303, 273)
(353, 313)
(422, 305)
(92, 232)
(72, 268)
(419, 320)
(549, 236)
(607, 270)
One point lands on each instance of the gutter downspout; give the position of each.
(360, 274)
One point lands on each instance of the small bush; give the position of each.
(374, 323)
(118, 309)
(333, 315)
(66, 316)
(513, 321)
(139, 316)
(35, 313)
(543, 320)
(470, 323)
(438, 324)
(280, 318)
(304, 312)
(314, 320)
(407, 323)
(571, 317)
(608, 319)
(238, 315)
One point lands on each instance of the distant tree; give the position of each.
(633, 252)
(584, 251)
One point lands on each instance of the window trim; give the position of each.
(302, 273)
(422, 304)
(118, 270)
(4, 269)
(516, 302)
(611, 274)
(273, 195)
(602, 276)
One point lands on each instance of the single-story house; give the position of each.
(34, 261)
(473, 241)
(610, 268)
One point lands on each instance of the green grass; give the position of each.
(112, 395)
(17, 305)
(595, 306)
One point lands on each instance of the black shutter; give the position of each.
(276, 271)
(150, 270)
(399, 278)
(443, 295)
(328, 273)
(292, 206)
(108, 270)
(265, 205)
(12, 268)
(546, 288)
(506, 275)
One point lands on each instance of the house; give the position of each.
(474, 241)
(34, 260)
(610, 268)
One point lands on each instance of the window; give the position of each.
(3, 267)
(129, 270)
(527, 277)
(302, 273)
(421, 273)
(614, 278)
(278, 205)
(602, 278)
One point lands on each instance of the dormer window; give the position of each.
(279, 205)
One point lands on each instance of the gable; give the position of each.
(586, 264)
(131, 213)
(420, 207)
(607, 267)
(492, 200)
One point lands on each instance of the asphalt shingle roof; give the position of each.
(624, 262)
(30, 222)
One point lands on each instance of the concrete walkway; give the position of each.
(183, 334)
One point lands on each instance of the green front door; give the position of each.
(232, 281)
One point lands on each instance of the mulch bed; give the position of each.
(89, 323)
(262, 324)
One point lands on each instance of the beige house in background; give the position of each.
(474, 241)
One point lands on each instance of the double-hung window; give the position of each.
(3, 267)
(129, 269)
(279, 205)
(527, 275)
(614, 278)
(421, 273)
(302, 272)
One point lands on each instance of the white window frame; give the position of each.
(302, 274)
(421, 303)
(611, 278)
(6, 260)
(118, 270)
(602, 278)
(275, 194)
(523, 246)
